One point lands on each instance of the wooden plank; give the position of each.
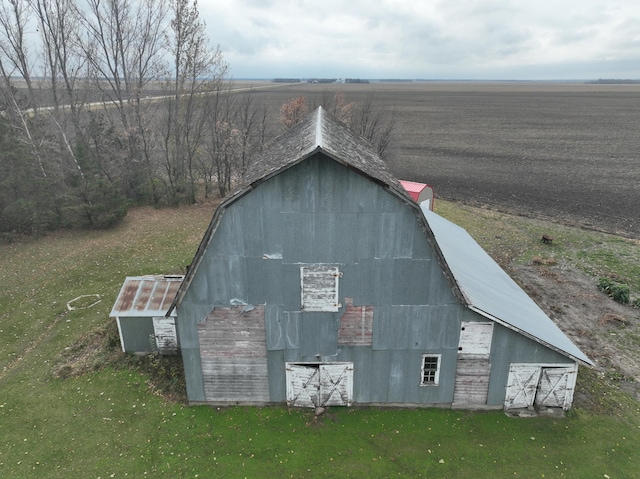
(472, 381)
(303, 385)
(319, 288)
(555, 387)
(235, 380)
(233, 354)
(356, 325)
(233, 333)
(336, 384)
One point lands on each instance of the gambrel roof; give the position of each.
(475, 278)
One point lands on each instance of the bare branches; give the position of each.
(365, 119)
(14, 18)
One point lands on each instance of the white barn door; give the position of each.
(303, 385)
(556, 386)
(540, 385)
(522, 385)
(314, 385)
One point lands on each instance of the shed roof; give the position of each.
(490, 291)
(146, 296)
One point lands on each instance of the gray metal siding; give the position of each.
(137, 334)
(321, 212)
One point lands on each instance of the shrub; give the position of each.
(619, 292)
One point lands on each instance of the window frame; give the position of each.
(435, 373)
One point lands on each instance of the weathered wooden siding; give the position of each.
(234, 355)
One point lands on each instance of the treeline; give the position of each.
(109, 103)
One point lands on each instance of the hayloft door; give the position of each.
(315, 384)
(473, 369)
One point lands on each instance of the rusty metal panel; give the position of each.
(124, 301)
(157, 295)
(146, 296)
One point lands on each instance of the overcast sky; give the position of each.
(432, 39)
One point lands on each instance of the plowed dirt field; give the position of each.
(567, 151)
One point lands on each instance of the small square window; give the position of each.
(430, 371)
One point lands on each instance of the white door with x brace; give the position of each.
(319, 384)
(539, 385)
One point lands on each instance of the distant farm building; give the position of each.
(322, 282)
(420, 192)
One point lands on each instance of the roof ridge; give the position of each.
(319, 137)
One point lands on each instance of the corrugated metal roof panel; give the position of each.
(490, 291)
(146, 296)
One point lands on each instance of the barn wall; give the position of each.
(136, 333)
(321, 212)
(511, 347)
(188, 316)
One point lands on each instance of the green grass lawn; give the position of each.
(109, 423)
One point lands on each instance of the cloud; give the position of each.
(435, 39)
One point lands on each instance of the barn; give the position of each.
(321, 282)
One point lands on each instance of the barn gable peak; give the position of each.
(319, 132)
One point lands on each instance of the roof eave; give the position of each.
(586, 361)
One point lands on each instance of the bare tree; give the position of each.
(198, 69)
(124, 44)
(294, 111)
(366, 119)
(375, 125)
(63, 59)
(14, 18)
